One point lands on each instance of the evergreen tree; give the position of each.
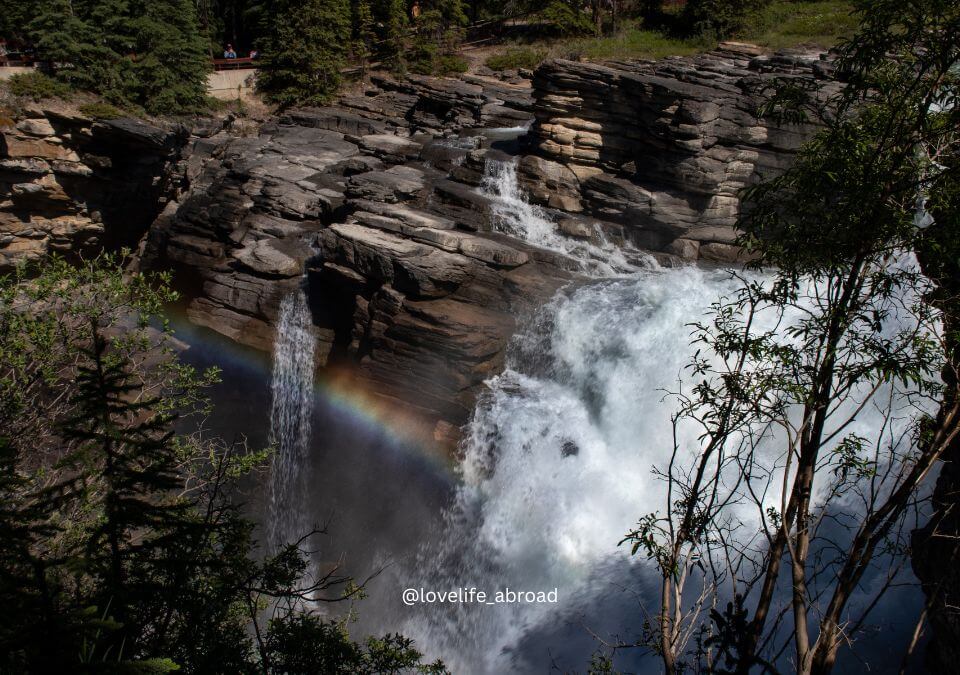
(80, 40)
(124, 445)
(120, 549)
(304, 51)
(720, 18)
(169, 73)
(146, 53)
(395, 21)
(15, 16)
(439, 33)
(364, 35)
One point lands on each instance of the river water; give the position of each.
(556, 467)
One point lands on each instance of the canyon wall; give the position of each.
(410, 290)
(375, 203)
(663, 148)
(72, 184)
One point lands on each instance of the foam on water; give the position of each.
(516, 216)
(558, 456)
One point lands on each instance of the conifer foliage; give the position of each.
(120, 549)
(304, 50)
(145, 53)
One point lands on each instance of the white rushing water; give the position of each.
(514, 215)
(291, 408)
(558, 457)
(557, 461)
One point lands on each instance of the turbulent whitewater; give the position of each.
(557, 462)
(557, 457)
(514, 215)
(291, 408)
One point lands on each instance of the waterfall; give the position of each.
(514, 215)
(557, 463)
(557, 460)
(292, 392)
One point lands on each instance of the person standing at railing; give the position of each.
(229, 52)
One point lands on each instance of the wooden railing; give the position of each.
(234, 64)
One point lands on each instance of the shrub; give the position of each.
(101, 111)
(451, 64)
(567, 19)
(721, 19)
(37, 86)
(438, 65)
(513, 59)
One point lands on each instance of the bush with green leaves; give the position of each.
(517, 57)
(37, 86)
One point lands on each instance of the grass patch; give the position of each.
(790, 24)
(439, 65)
(101, 111)
(516, 58)
(37, 86)
(782, 24)
(631, 43)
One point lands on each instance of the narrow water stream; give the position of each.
(291, 412)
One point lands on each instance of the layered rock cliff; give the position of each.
(375, 203)
(663, 148)
(72, 184)
(409, 287)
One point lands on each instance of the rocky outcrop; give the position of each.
(376, 203)
(71, 184)
(664, 148)
(377, 199)
(425, 105)
(241, 234)
(410, 291)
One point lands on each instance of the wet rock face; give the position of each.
(409, 289)
(374, 203)
(664, 147)
(241, 234)
(70, 184)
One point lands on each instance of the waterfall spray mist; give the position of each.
(292, 391)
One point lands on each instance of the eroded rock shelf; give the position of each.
(374, 203)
